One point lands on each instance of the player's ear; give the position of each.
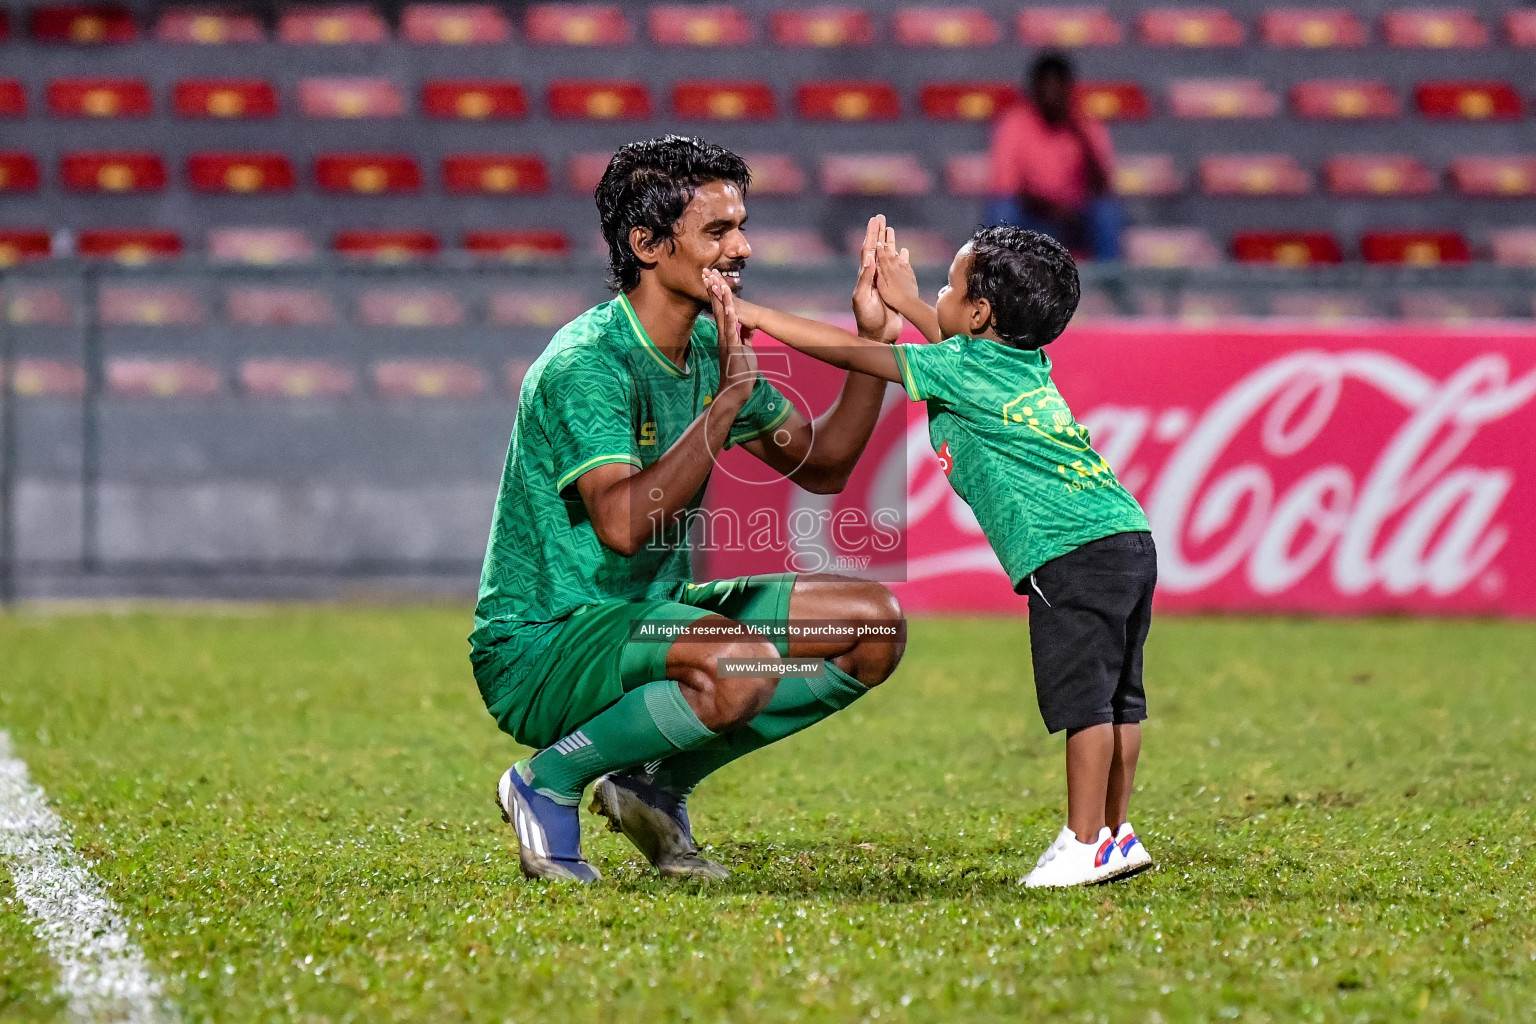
(643, 244)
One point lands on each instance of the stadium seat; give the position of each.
(17, 244)
(1170, 247)
(1416, 248)
(494, 174)
(5, 25)
(789, 247)
(925, 248)
(13, 98)
(1365, 175)
(450, 24)
(1520, 26)
(208, 27)
(47, 378)
(134, 305)
(82, 24)
(227, 98)
(428, 378)
(1286, 248)
(774, 174)
(150, 377)
(1113, 101)
(966, 101)
(409, 307)
(1434, 27)
(100, 97)
(724, 100)
(968, 175)
(343, 24)
(350, 97)
(1494, 175)
(474, 100)
(296, 378)
(1313, 29)
(584, 170)
(18, 172)
(1253, 175)
(128, 245)
(1195, 27)
(367, 173)
(386, 245)
(613, 100)
(1469, 101)
(1221, 98)
(1208, 307)
(1150, 175)
(874, 174)
(1514, 247)
(577, 25)
(699, 25)
(536, 307)
(1325, 307)
(822, 27)
(847, 101)
(263, 246)
(240, 173)
(1068, 26)
(265, 306)
(38, 304)
(946, 26)
(112, 172)
(521, 245)
(1443, 308)
(1346, 100)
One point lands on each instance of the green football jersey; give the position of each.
(600, 392)
(1013, 452)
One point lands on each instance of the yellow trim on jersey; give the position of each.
(906, 373)
(593, 463)
(777, 422)
(646, 342)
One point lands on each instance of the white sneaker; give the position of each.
(1130, 857)
(1069, 862)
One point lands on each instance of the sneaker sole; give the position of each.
(1124, 873)
(606, 800)
(532, 865)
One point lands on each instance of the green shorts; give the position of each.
(593, 659)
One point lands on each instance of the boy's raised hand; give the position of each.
(894, 277)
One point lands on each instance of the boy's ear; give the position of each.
(981, 315)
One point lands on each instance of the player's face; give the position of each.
(956, 311)
(708, 236)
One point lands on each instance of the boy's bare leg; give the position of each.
(1122, 774)
(1090, 754)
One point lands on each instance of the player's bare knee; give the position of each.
(739, 699)
(873, 660)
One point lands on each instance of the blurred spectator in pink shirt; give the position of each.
(1052, 166)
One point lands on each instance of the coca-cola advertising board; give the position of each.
(1354, 470)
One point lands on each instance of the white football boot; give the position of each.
(1130, 858)
(1068, 862)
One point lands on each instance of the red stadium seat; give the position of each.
(1286, 248)
(1113, 101)
(1170, 247)
(100, 97)
(968, 175)
(1434, 27)
(343, 24)
(265, 306)
(112, 172)
(925, 248)
(848, 101)
(1468, 101)
(1068, 26)
(789, 247)
(260, 245)
(451, 24)
(699, 25)
(724, 100)
(208, 27)
(1344, 100)
(39, 304)
(585, 170)
(1365, 175)
(296, 378)
(525, 245)
(589, 99)
(775, 174)
(1253, 175)
(18, 172)
(495, 174)
(428, 378)
(17, 244)
(240, 173)
(536, 307)
(47, 378)
(149, 377)
(966, 101)
(1514, 247)
(946, 26)
(1321, 306)
(1196, 27)
(577, 25)
(386, 245)
(409, 307)
(128, 245)
(1520, 26)
(474, 100)
(1147, 174)
(5, 26)
(874, 174)
(1494, 175)
(1441, 308)
(229, 98)
(1313, 29)
(350, 97)
(1221, 98)
(13, 98)
(367, 173)
(83, 24)
(822, 27)
(1416, 248)
(134, 305)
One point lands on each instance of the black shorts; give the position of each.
(1089, 612)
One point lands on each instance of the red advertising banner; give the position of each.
(1381, 468)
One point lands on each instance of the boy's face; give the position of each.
(957, 313)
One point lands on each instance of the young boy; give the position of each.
(1070, 537)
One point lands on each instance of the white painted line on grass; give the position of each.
(104, 972)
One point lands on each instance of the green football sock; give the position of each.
(797, 702)
(648, 723)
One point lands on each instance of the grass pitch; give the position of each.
(295, 806)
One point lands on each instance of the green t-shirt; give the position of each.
(601, 392)
(1013, 452)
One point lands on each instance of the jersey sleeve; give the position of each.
(585, 410)
(763, 411)
(930, 372)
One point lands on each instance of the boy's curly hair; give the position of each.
(1029, 278)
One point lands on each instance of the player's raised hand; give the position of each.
(738, 360)
(875, 321)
